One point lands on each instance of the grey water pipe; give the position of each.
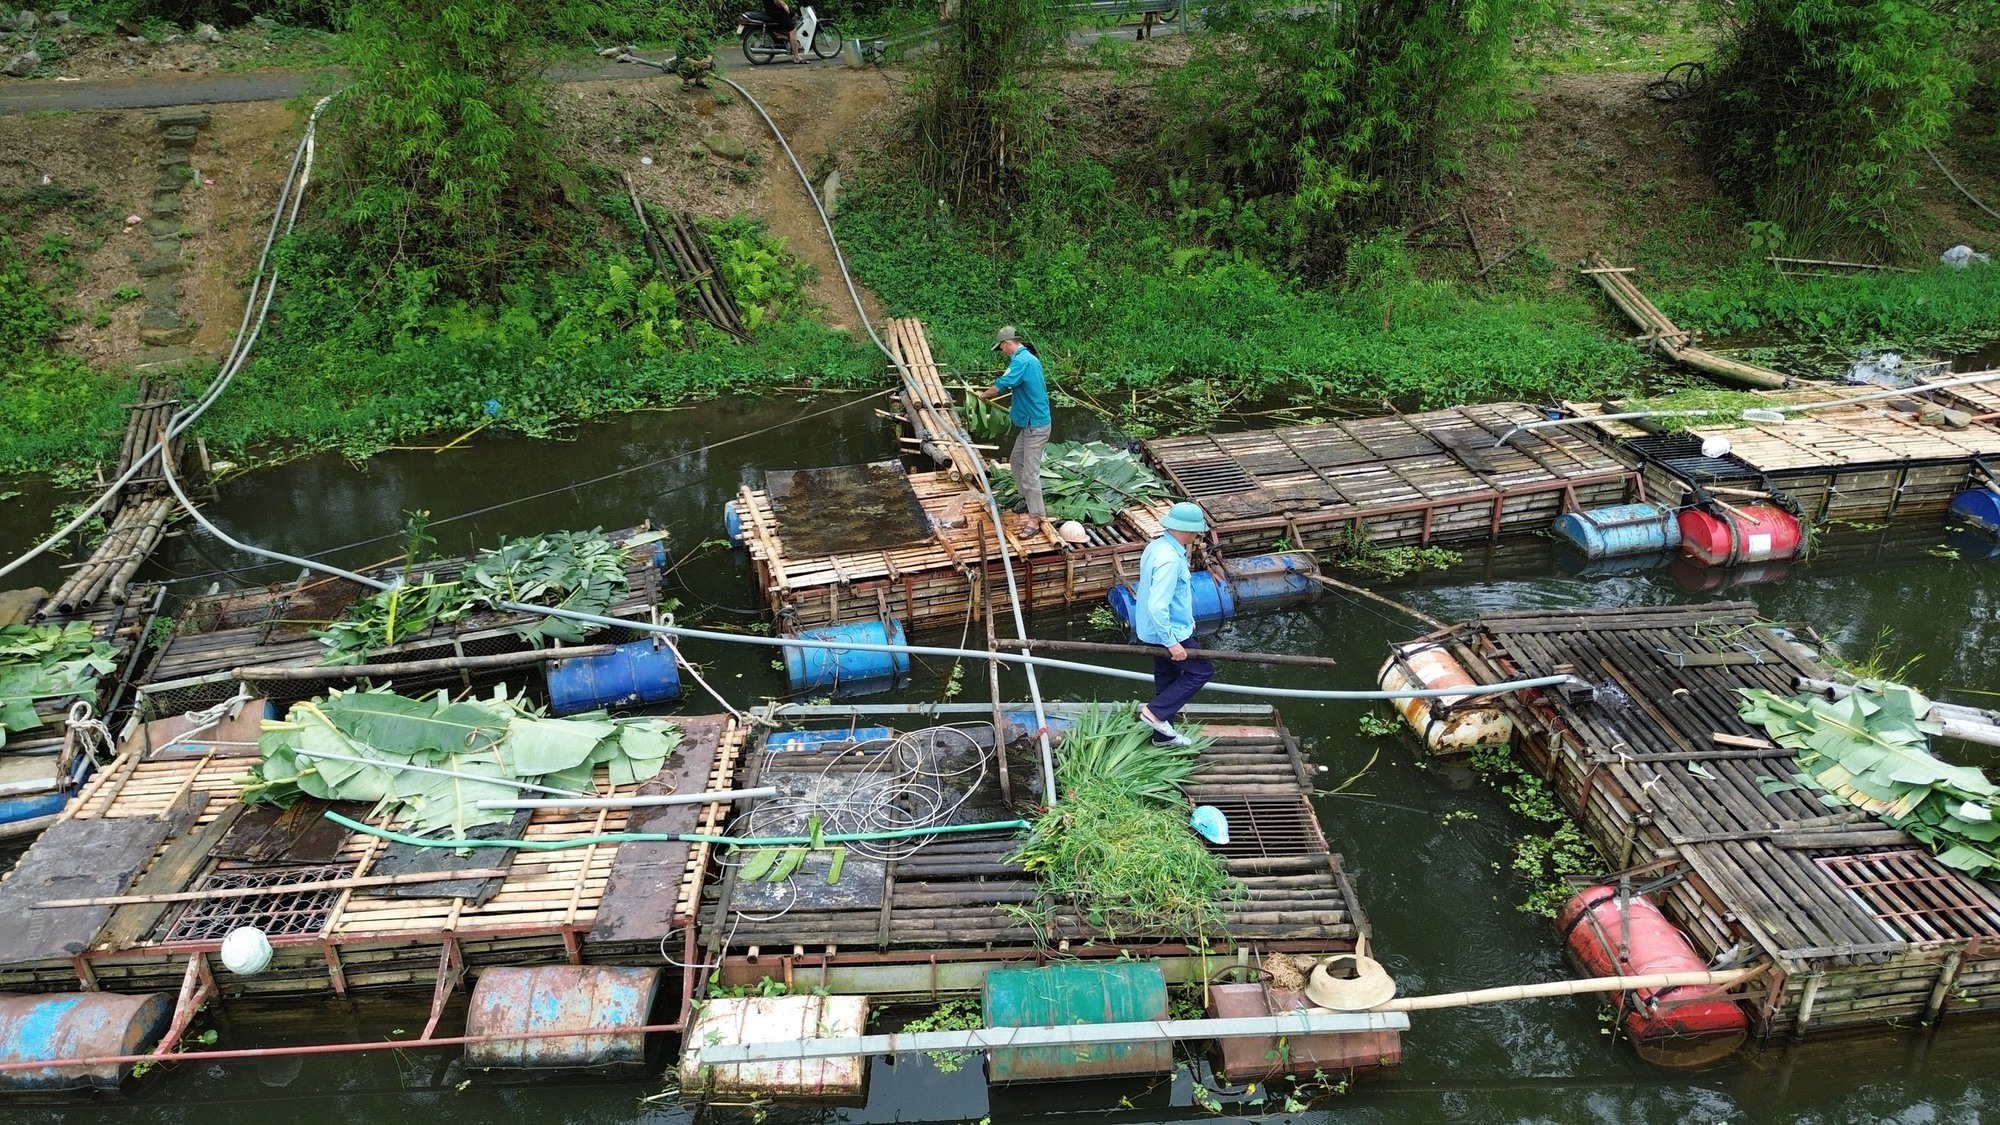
(680, 837)
(1763, 414)
(634, 801)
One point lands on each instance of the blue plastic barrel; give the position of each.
(1976, 509)
(809, 669)
(808, 741)
(1270, 581)
(1626, 529)
(633, 675)
(732, 523)
(1077, 993)
(1257, 582)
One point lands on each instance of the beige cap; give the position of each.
(1369, 986)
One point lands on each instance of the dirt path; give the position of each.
(826, 112)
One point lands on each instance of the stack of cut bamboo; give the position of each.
(702, 290)
(1671, 339)
(134, 532)
(932, 413)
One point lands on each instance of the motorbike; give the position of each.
(816, 37)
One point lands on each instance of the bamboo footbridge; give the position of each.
(1859, 922)
(1672, 341)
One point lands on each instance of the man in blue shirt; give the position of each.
(1163, 614)
(1030, 414)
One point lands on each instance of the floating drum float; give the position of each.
(1739, 534)
(633, 675)
(1076, 993)
(90, 1025)
(1443, 727)
(1627, 529)
(1688, 1026)
(560, 998)
(1976, 509)
(732, 523)
(1246, 585)
(811, 668)
(736, 1020)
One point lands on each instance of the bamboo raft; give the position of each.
(137, 517)
(933, 921)
(1867, 462)
(1861, 925)
(947, 580)
(1395, 480)
(156, 823)
(222, 639)
(1668, 338)
(929, 410)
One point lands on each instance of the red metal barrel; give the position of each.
(1739, 534)
(1688, 1026)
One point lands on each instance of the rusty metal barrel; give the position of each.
(82, 1026)
(608, 1001)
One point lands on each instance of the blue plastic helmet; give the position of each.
(1209, 821)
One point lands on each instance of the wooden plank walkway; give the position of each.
(1395, 480)
(1665, 778)
(950, 902)
(942, 582)
(544, 910)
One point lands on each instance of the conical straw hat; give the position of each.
(1371, 984)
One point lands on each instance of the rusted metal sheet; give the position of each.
(645, 883)
(562, 999)
(1253, 1060)
(92, 1024)
(72, 859)
(300, 834)
(757, 1019)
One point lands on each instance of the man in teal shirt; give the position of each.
(1163, 615)
(1030, 414)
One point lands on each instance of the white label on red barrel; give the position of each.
(1760, 545)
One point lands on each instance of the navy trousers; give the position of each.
(1175, 682)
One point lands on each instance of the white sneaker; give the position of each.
(1164, 733)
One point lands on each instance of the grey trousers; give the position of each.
(1026, 462)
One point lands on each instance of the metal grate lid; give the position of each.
(1681, 455)
(1916, 897)
(280, 913)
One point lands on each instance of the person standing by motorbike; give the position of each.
(1030, 414)
(778, 20)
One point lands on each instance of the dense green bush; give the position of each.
(343, 367)
(1302, 129)
(1819, 109)
(1904, 308)
(1137, 314)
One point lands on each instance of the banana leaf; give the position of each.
(1870, 750)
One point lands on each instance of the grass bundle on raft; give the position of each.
(1118, 849)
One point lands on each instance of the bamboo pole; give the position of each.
(1360, 591)
(1225, 655)
(295, 888)
(441, 664)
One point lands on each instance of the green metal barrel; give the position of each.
(1077, 993)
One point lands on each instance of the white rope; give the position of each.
(88, 733)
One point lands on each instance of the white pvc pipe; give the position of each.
(1387, 1016)
(631, 802)
(1070, 1035)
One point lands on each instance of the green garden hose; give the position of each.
(676, 837)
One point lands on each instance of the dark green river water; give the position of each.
(1442, 905)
